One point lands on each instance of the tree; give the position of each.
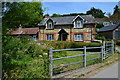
(116, 10)
(97, 13)
(29, 14)
(115, 18)
(56, 15)
(73, 14)
(99, 25)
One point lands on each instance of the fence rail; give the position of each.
(103, 54)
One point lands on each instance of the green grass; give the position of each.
(72, 60)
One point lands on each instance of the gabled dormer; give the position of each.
(78, 22)
(49, 24)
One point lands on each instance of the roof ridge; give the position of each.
(72, 16)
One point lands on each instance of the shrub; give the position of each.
(23, 58)
(118, 43)
(67, 44)
(60, 54)
(99, 37)
(99, 25)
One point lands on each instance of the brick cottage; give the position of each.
(67, 28)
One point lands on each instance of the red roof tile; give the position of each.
(24, 31)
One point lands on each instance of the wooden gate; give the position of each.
(106, 50)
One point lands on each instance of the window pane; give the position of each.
(50, 25)
(78, 24)
(50, 37)
(78, 37)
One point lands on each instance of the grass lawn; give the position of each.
(72, 60)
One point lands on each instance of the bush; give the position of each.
(99, 37)
(99, 25)
(118, 43)
(67, 44)
(23, 58)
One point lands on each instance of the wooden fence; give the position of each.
(106, 50)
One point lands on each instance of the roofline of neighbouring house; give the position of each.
(110, 30)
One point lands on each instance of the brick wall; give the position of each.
(86, 31)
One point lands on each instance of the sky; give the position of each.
(77, 7)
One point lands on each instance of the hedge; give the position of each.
(67, 44)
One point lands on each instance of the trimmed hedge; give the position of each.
(67, 44)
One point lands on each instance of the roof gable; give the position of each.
(68, 20)
(77, 17)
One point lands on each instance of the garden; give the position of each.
(23, 58)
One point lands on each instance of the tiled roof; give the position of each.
(24, 31)
(109, 28)
(68, 20)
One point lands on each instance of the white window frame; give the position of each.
(49, 25)
(34, 37)
(50, 37)
(78, 24)
(78, 37)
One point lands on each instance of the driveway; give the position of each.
(110, 72)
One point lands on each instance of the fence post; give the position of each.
(112, 46)
(50, 65)
(103, 50)
(84, 56)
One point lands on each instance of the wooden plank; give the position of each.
(67, 49)
(68, 57)
(93, 59)
(50, 66)
(92, 47)
(68, 64)
(112, 47)
(108, 45)
(102, 51)
(93, 53)
(108, 49)
(108, 42)
(75, 49)
(84, 56)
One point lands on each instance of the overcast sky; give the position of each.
(77, 7)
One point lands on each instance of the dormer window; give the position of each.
(49, 25)
(78, 24)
